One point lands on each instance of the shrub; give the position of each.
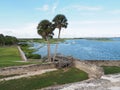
(33, 56)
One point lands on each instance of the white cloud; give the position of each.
(115, 12)
(81, 8)
(27, 31)
(75, 29)
(49, 8)
(43, 8)
(54, 7)
(95, 22)
(88, 8)
(92, 29)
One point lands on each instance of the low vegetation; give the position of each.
(58, 77)
(111, 69)
(29, 52)
(99, 39)
(52, 41)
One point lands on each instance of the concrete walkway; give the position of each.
(22, 53)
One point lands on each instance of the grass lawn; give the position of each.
(48, 79)
(9, 57)
(111, 69)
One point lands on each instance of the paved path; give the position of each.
(22, 53)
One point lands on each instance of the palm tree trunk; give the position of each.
(48, 45)
(57, 44)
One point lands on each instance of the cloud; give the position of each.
(54, 7)
(43, 8)
(81, 8)
(91, 28)
(27, 31)
(95, 22)
(49, 8)
(88, 8)
(115, 12)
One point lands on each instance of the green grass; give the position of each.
(5, 76)
(111, 69)
(29, 52)
(9, 56)
(48, 79)
(9, 53)
(52, 41)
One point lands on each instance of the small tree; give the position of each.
(45, 30)
(60, 22)
(2, 40)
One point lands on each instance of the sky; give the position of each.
(86, 18)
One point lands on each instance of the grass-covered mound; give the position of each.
(111, 69)
(48, 79)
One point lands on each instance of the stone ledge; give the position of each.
(25, 68)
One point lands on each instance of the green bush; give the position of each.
(24, 45)
(28, 52)
(33, 56)
(111, 69)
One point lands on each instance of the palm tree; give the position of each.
(60, 21)
(45, 30)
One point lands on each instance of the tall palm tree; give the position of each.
(60, 21)
(45, 30)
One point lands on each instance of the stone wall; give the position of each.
(25, 68)
(92, 70)
(104, 62)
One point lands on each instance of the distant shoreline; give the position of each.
(73, 38)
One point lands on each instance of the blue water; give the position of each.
(85, 49)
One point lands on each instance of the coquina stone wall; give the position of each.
(92, 70)
(104, 62)
(24, 69)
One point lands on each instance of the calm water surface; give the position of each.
(85, 49)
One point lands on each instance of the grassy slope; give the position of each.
(9, 53)
(9, 56)
(44, 80)
(111, 69)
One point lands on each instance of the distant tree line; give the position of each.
(7, 40)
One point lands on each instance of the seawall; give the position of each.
(104, 62)
(93, 71)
